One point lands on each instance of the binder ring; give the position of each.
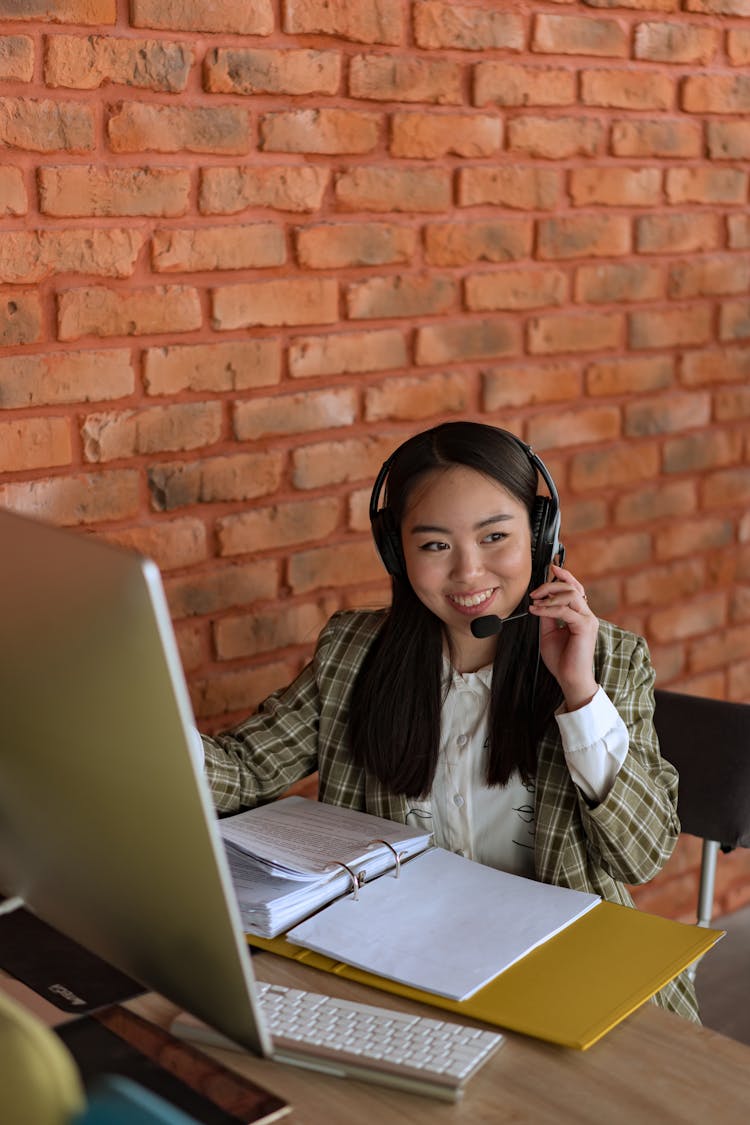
(396, 855)
(356, 878)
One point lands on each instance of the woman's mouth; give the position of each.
(469, 603)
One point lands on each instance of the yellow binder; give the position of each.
(573, 989)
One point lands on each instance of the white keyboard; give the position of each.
(378, 1044)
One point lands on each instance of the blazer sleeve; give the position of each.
(633, 832)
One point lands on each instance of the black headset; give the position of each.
(545, 519)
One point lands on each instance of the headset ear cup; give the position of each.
(542, 535)
(388, 542)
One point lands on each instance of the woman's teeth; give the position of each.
(469, 600)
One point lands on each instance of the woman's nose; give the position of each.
(466, 562)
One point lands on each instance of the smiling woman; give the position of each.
(529, 748)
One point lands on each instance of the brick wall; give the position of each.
(249, 245)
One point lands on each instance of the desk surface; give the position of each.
(653, 1067)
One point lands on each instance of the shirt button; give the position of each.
(458, 800)
(461, 740)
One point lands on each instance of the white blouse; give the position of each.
(496, 826)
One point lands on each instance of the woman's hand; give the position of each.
(568, 631)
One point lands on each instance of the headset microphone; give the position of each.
(491, 624)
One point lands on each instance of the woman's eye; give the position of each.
(495, 537)
(434, 545)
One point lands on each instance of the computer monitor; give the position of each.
(107, 828)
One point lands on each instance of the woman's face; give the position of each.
(467, 546)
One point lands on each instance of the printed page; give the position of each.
(446, 925)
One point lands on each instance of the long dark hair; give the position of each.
(394, 720)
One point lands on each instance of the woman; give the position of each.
(529, 745)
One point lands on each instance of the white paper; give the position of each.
(447, 925)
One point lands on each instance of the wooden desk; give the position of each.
(653, 1068)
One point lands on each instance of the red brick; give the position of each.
(406, 78)
(414, 399)
(281, 525)
(677, 234)
(738, 45)
(85, 190)
(453, 341)
(146, 127)
(574, 427)
(359, 510)
(157, 429)
(716, 93)
(629, 375)
(248, 70)
(668, 661)
(581, 236)
(674, 42)
(60, 11)
(223, 16)
(662, 585)
(210, 480)
(731, 405)
(323, 131)
(20, 317)
(338, 245)
(30, 256)
(612, 552)
(687, 538)
(431, 135)
(87, 62)
(679, 327)
(379, 21)
(555, 138)
(727, 488)
(225, 191)
(65, 377)
(513, 387)
(706, 185)
(97, 311)
(347, 353)
(233, 585)
(702, 615)
(527, 189)
(571, 333)
(41, 125)
(616, 186)
(664, 414)
(490, 240)
(13, 197)
(716, 366)
(612, 468)
(438, 24)
(393, 189)
(93, 498)
(516, 289)
(338, 462)
(294, 414)
(255, 246)
(621, 281)
(511, 84)
(580, 35)
(739, 691)
(660, 502)
(660, 137)
(34, 443)
(739, 232)
(728, 140)
(628, 89)
(172, 544)
(16, 58)
(249, 634)
(237, 365)
(706, 277)
(697, 452)
(720, 650)
(241, 691)
(734, 320)
(587, 515)
(288, 301)
(333, 566)
(400, 295)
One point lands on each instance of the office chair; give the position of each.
(708, 740)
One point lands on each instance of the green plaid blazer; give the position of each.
(625, 839)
